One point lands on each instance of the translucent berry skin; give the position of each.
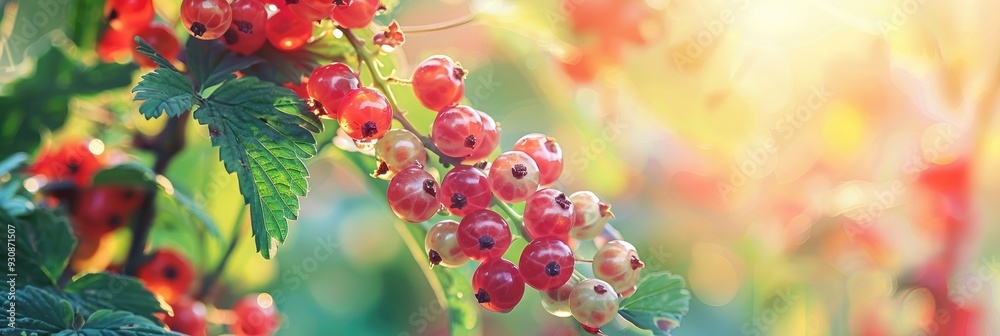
(483, 235)
(356, 14)
(286, 31)
(438, 83)
(248, 31)
(99, 211)
(618, 263)
(128, 16)
(513, 177)
(465, 189)
(547, 155)
(400, 149)
(189, 317)
(114, 44)
(548, 213)
(161, 37)
(497, 285)
(329, 84)
(206, 19)
(546, 263)
(556, 300)
(593, 303)
(167, 273)
(412, 195)
(457, 131)
(365, 114)
(254, 316)
(590, 215)
(311, 10)
(487, 143)
(442, 245)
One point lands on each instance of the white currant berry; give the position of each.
(397, 150)
(618, 263)
(556, 301)
(513, 177)
(442, 245)
(590, 215)
(593, 303)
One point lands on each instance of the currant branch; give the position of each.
(208, 283)
(516, 220)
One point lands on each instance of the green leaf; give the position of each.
(44, 243)
(37, 311)
(128, 174)
(96, 291)
(86, 22)
(162, 90)
(15, 161)
(144, 48)
(212, 63)
(280, 66)
(265, 147)
(658, 304)
(107, 322)
(186, 205)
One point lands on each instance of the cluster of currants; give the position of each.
(127, 19)
(467, 138)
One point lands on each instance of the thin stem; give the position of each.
(382, 84)
(398, 81)
(208, 284)
(579, 276)
(516, 220)
(439, 26)
(584, 260)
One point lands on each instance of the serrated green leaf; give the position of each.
(144, 48)
(107, 322)
(212, 63)
(162, 90)
(265, 148)
(128, 174)
(44, 244)
(37, 311)
(96, 291)
(658, 304)
(281, 66)
(15, 161)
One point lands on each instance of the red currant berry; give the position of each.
(465, 189)
(255, 316)
(329, 84)
(590, 215)
(206, 19)
(438, 82)
(102, 210)
(128, 16)
(286, 31)
(73, 161)
(114, 44)
(556, 300)
(548, 213)
(399, 149)
(546, 263)
(355, 14)
(442, 245)
(617, 262)
(188, 318)
(498, 285)
(161, 37)
(513, 177)
(488, 142)
(546, 153)
(365, 114)
(483, 235)
(457, 131)
(167, 273)
(593, 303)
(311, 10)
(412, 195)
(248, 32)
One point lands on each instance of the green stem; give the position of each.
(516, 220)
(208, 284)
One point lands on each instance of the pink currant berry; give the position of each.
(590, 215)
(593, 303)
(465, 189)
(488, 143)
(513, 177)
(547, 155)
(355, 14)
(248, 31)
(412, 195)
(329, 84)
(498, 285)
(206, 19)
(556, 300)
(397, 150)
(546, 263)
(438, 82)
(442, 245)
(617, 262)
(365, 114)
(457, 131)
(483, 235)
(548, 213)
(311, 10)
(286, 31)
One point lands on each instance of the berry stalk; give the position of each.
(516, 220)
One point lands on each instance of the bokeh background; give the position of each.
(810, 167)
